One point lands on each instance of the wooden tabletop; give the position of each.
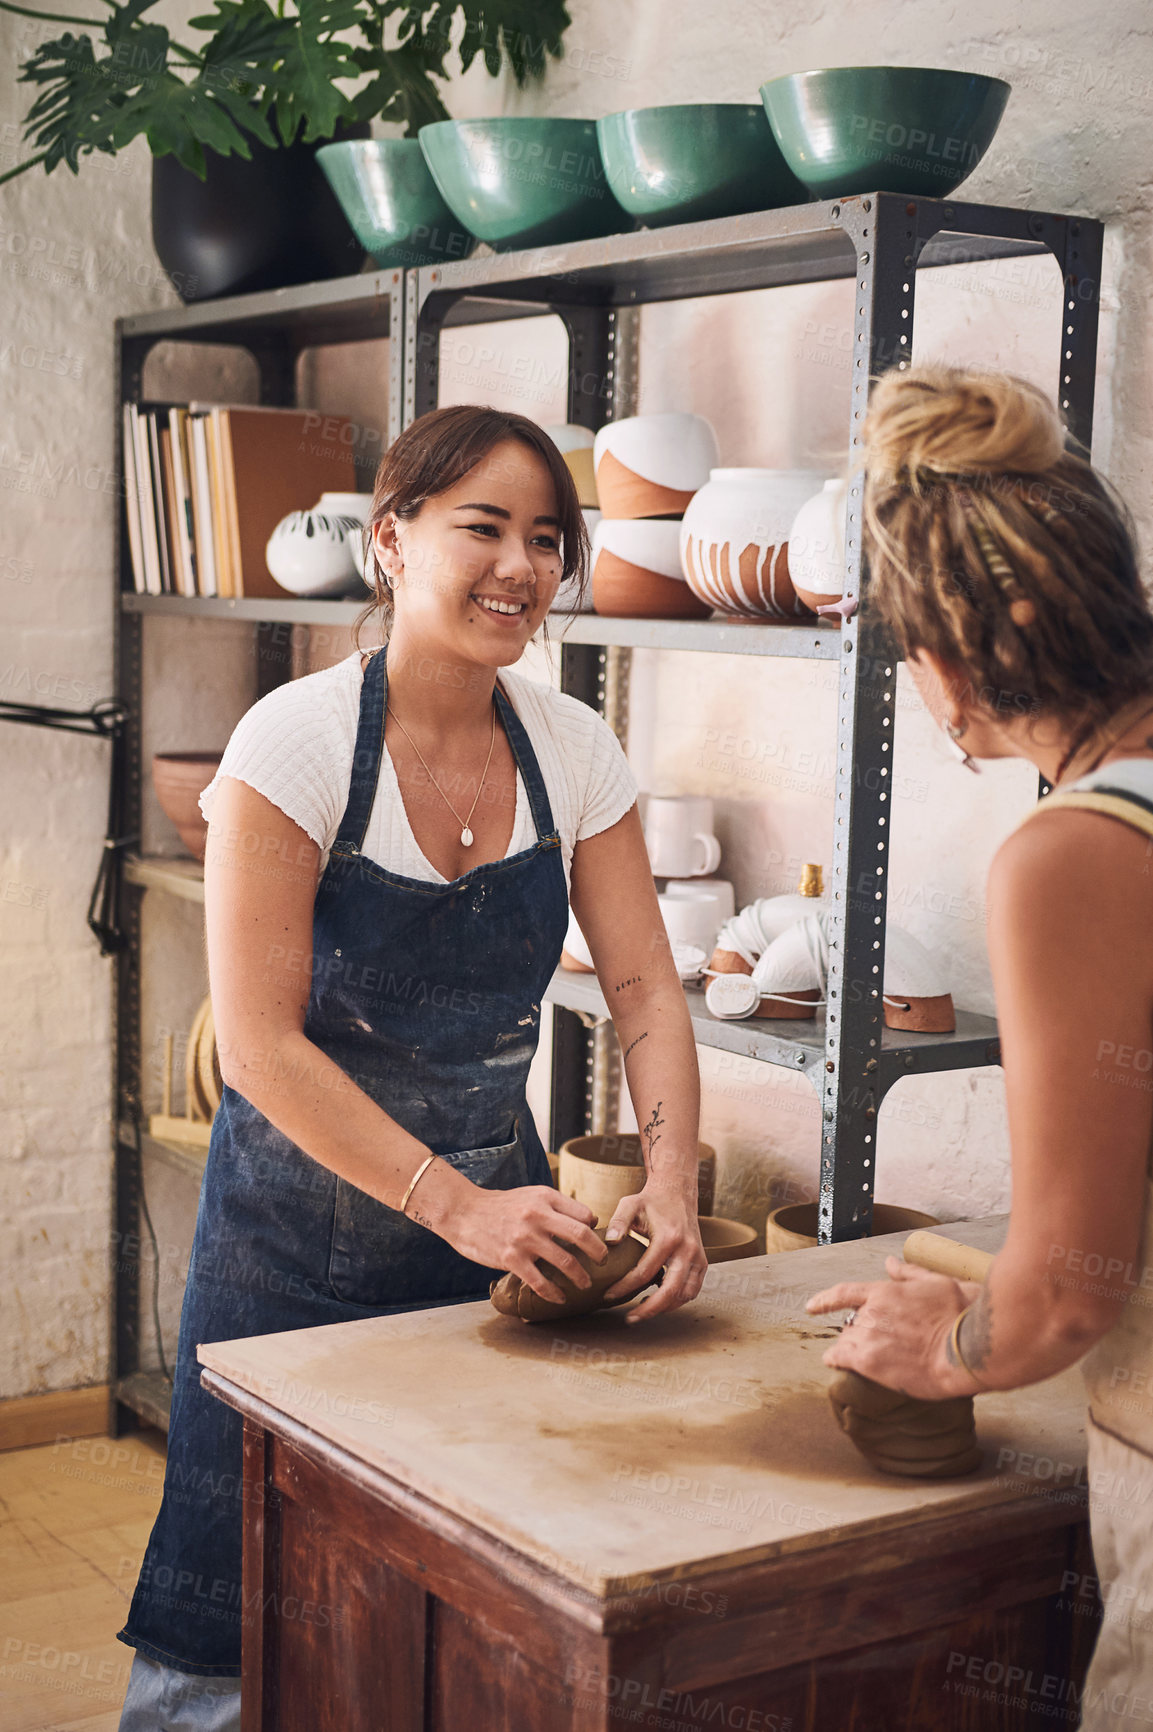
(617, 1457)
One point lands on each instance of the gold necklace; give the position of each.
(466, 836)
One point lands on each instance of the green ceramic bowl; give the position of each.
(692, 160)
(908, 129)
(526, 181)
(392, 202)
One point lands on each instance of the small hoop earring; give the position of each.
(956, 733)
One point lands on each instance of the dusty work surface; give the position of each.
(618, 1456)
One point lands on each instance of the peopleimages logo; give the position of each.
(914, 140)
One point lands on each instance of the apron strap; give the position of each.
(366, 756)
(370, 746)
(538, 800)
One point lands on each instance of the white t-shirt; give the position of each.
(296, 746)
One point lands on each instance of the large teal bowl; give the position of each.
(906, 129)
(523, 181)
(392, 202)
(693, 160)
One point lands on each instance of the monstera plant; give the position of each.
(240, 106)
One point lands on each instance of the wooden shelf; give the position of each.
(177, 875)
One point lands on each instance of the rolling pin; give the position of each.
(943, 1256)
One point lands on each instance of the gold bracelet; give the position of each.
(955, 1344)
(415, 1180)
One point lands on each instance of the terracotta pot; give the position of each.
(817, 546)
(794, 1228)
(636, 571)
(179, 779)
(651, 465)
(724, 1241)
(734, 540)
(599, 1170)
(916, 994)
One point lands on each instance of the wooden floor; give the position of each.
(75, 1516)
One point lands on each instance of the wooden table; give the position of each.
(454, 1520)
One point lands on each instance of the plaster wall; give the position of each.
(769, 370)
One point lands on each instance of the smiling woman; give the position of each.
(393, 845)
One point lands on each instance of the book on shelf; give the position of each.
(207, 483)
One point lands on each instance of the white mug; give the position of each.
(691, 920)
(679, 836)
(719, 889)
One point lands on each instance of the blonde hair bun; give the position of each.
(951, 421)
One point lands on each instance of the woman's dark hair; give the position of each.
(435, 452)
(992, 546)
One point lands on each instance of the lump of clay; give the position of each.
(900, 1434)
(514, 1298)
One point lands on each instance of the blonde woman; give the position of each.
(1007, 573)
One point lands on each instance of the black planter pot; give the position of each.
(264, 224)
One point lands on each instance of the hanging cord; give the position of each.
(133, 1105)
(106, 720)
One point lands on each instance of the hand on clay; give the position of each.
(515, 1298)
(666, 1214)
(901, 1330)
(898, 1434)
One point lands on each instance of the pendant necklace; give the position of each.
(466, 836)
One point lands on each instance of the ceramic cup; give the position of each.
(690, 920)
(679, 836)
(719, 889)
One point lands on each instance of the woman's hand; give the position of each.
(666, 1214)
(900, 1333)
(511, 1230)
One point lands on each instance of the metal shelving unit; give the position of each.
(881, 241)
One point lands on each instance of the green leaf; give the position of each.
(402, 91)
(305, 81)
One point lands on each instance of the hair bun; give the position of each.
(954, 421)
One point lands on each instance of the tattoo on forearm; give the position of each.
(632, 980)
(650, 1132)
(421, 1220)
(636, 1042)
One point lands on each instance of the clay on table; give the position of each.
(897, 1433)
(514, 1298)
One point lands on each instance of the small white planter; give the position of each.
(317, 552)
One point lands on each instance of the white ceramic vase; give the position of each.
(651, 465)
(734, 540)
(317, 552)
(817, 546)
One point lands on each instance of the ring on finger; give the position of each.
(850, 1319)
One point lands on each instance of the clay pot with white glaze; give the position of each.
(569, 599)
(651, 465)
(735, 536)
(636, 571)
(575, 445)
(817, 546)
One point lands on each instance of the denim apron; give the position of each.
(428, 996)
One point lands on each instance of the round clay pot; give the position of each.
(317, 552)
(575, 445)
(725, 1241)
(179, 779)
(651, 465)
(916, 992)
(817, 546)
(794, 1228)
(599, 1170)
(735, 536)
(636, 571)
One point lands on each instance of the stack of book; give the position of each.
(205, 485)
